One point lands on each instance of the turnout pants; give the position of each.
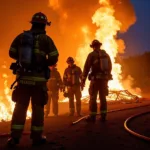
(53, 97)
(22, 95)
(98, 87)
(74, 91)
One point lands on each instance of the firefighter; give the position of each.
(54, 85)
(72, 82)
(33, 51)
(98, 66)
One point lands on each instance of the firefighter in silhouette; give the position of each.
(33, 51)
(71, 81)
(54, 85)
(98, 66)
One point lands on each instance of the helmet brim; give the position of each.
(48, 23)
(91, 46)
(68, 62)
(95, 45)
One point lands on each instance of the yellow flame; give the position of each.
(54, 4)
(104, 2)
(107, 28)
(6, 103)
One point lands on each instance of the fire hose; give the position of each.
(111, 111)
(82, 118)
(145, 138)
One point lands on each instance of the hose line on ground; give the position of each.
(84, 117)
(131, 131)
(80, 119)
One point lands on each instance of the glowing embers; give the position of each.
(6, 103)
(123, 96)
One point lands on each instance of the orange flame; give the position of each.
(6, 103)
(107, 28)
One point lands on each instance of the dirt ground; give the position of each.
(109, 135)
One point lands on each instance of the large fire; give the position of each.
(6, 104)
(107, 28)
(6, 109)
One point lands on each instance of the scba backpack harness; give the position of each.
(26, 56)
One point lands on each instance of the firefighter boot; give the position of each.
(103, 118)
(91, 118)
(71, 112)
(12, 142)
(38, 142)
(79, 112)
(46, 115)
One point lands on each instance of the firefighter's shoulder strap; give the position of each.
(102, 53)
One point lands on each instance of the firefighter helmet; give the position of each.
(40, 18)
(70, 59)
(95, 43)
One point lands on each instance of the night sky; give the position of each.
(137, 38)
